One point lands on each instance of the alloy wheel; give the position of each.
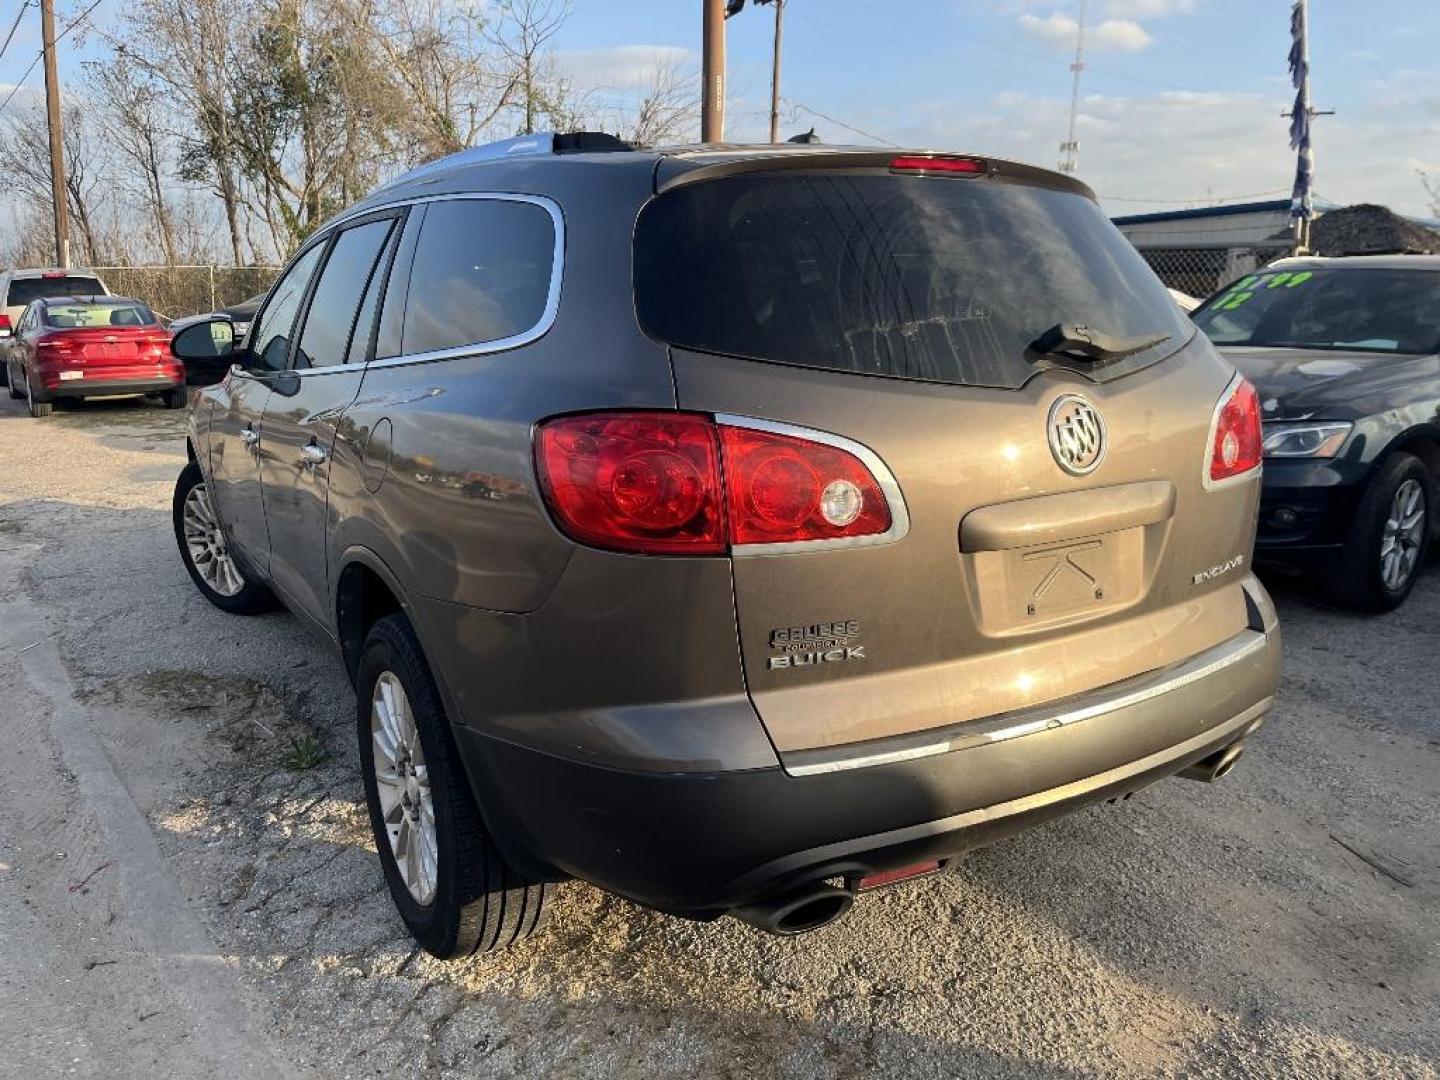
(205, 542)
(403, 783)
(1403, 536)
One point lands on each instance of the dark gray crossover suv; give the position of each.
(735, 528)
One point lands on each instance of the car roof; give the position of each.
(54, 271)
(88, 300)
(544, 163)
(1360, 262)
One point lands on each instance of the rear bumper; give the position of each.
(701, 844)
(96, 385)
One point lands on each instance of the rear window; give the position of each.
(1359, 309)
(80, 316)
(23, 290)
(931, 278)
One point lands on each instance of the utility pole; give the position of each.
(57, 141)
(775, 75)
(1071, 146)
(712, 92)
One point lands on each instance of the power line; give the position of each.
(1195, 199)
(830, 119)
(38, 56)
(14, 26)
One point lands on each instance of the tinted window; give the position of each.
(365, 321)
(85, 315)
(1360, 309)
(23, 290)
(270, 337)
(932, 278)
(481, 272)
(326, 338)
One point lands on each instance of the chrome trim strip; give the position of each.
(483, 348)
(1238, 478)
(889, 486)
(1028, 721)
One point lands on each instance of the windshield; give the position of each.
(912, 277)
(80, 316)
(1367, 310)
(23, 290)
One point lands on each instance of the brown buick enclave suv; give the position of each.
(735, 528)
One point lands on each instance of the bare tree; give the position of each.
(521, 35)
(666, 113)
(25, 164)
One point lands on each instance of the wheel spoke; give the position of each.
(402, 784)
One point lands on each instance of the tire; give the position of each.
(38, 409)
(471, 900)
(177, 398)
(234, 594)
(15, 392)
(1383, 526)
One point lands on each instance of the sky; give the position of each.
(1180, 99)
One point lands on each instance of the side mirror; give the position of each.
(206, 348)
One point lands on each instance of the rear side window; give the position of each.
(325, 341)
(23, 290)
(481, 273)
(935, 278)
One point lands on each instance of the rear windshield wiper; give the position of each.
(1082, 343)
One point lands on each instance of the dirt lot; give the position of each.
(187, 887)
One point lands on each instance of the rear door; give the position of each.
(309, 402)
(1056, 511)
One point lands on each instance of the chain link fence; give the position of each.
(1203, 269)
(176, 291)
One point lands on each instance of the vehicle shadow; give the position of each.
(1189, 929)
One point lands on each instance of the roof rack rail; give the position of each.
(572, 142)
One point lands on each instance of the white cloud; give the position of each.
(1149, 9)
(624, 67)
(1176, 145)
(1113, 35)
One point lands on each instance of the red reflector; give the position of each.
(963, 165)
(784, 489)
(890, 877)
(642, 482)
(1237, 445)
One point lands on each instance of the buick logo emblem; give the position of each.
(1077, 434)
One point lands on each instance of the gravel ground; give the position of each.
(186, 891)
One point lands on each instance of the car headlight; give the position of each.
(1304, 438)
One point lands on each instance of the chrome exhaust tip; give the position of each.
(1212, 768)
(799, 912)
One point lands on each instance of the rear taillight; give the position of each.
(1236, 440)
(58, 342)
(641, 482)
(687, 484)
(784, 489)
(4, 321)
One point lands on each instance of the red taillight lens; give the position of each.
(1236, 446)
(961, 165)
(683, 484)
(58, 342)
(4, 321)
(783, 489)
(641, 482)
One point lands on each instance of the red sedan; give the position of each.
(96, 346)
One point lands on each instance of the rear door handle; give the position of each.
(313, 454)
